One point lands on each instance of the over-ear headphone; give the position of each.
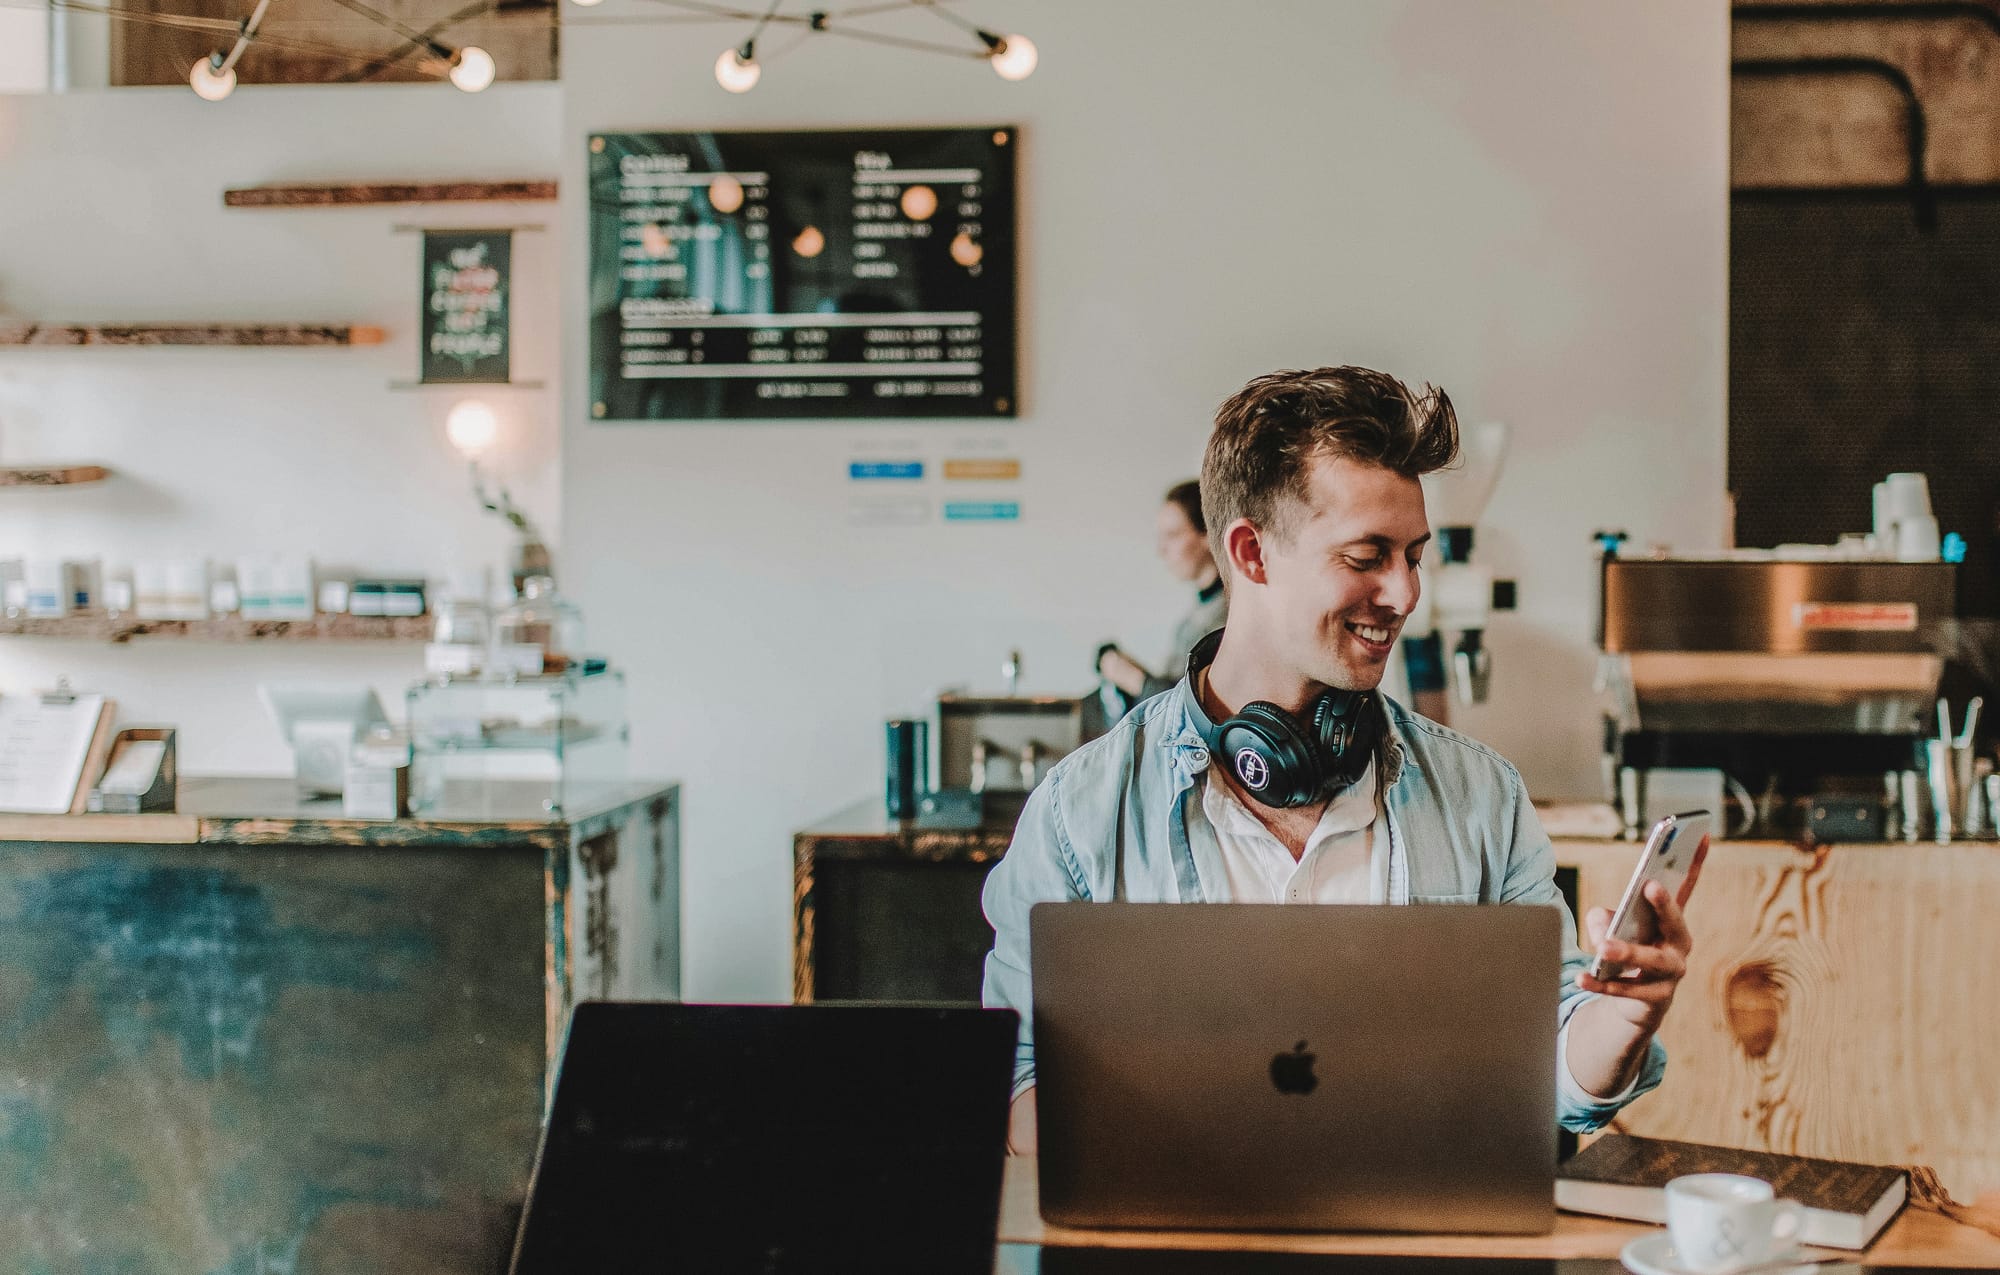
(1280, 760)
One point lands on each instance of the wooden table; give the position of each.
(1916, 1238)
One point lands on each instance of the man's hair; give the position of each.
(1269, 433)
(1188, 496)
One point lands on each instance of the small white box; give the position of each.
(170, 589)
(375, 791)
(445, 659)
(276, 587)
(523, 659)
(48, 588)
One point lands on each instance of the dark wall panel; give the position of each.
(1859, 345)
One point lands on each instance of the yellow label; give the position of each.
(985, 469)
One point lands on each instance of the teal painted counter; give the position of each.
(265, 1039)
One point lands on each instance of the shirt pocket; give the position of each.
(1445, 898)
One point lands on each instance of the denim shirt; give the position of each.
(1110, 822)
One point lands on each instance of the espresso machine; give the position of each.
(993, 749)
(1807, 684)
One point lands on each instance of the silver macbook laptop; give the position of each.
(1261, 1067)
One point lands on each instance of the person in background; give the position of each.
(1182, 543)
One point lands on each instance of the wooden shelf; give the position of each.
(354, 194)
(95, 626)
(214, 334)
(51, 475)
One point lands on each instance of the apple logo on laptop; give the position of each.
(1293, 1072)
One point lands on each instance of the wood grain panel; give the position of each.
(1839, 1003)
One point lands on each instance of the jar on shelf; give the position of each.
(542, 618)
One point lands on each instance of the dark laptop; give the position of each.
(740, 1138)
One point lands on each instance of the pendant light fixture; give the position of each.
(214, 77)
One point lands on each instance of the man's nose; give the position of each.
(1398, 589)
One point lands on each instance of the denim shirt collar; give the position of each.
(1392, 755)
(1198, 869)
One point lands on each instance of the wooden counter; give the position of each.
(886, 910)
(255, 1035)
(1915, 1239)
(1841, 1003)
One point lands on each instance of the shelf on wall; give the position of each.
(96, 626)
(215, 334)
(51, 475)
(358, 193)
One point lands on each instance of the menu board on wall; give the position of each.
(802, 275)
(466, 298)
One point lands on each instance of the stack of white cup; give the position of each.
(1905, 527)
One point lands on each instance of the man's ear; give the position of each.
(1244, 545)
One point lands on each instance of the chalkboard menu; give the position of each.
(802, 274)
(466, 299)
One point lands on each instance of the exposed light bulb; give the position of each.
(737, 69)
(810, 242)
(725, 194)
(210, 85)
(965, 250)
(472, 68)
(471, 426)
(1014, 57)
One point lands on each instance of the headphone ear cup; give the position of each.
(1274, 760)
(1345, 724)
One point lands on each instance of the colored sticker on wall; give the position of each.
(982, 511)
(983, 468)
(865, 470)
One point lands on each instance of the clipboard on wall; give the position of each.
(52, 746)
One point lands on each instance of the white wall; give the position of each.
(24, 51)
(1524, 203)
(113, 211)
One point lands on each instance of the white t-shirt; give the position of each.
(1346, 859)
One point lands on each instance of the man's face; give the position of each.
(1340, 585)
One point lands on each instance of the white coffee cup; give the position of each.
(1917, 539)
(1722, 1222)
(1906, 495)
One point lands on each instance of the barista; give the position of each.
(1182, 543)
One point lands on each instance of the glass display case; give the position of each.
(564, 734)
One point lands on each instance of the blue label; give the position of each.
(982, 511)
(864, 469)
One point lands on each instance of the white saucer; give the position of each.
(1654, 1255)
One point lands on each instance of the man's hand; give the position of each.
(1608, 1037)
(1653, 966)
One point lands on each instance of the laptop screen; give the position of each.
(725, 1138)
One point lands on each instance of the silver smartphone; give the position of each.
(1674, 850)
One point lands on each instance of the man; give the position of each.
(1317, 521)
